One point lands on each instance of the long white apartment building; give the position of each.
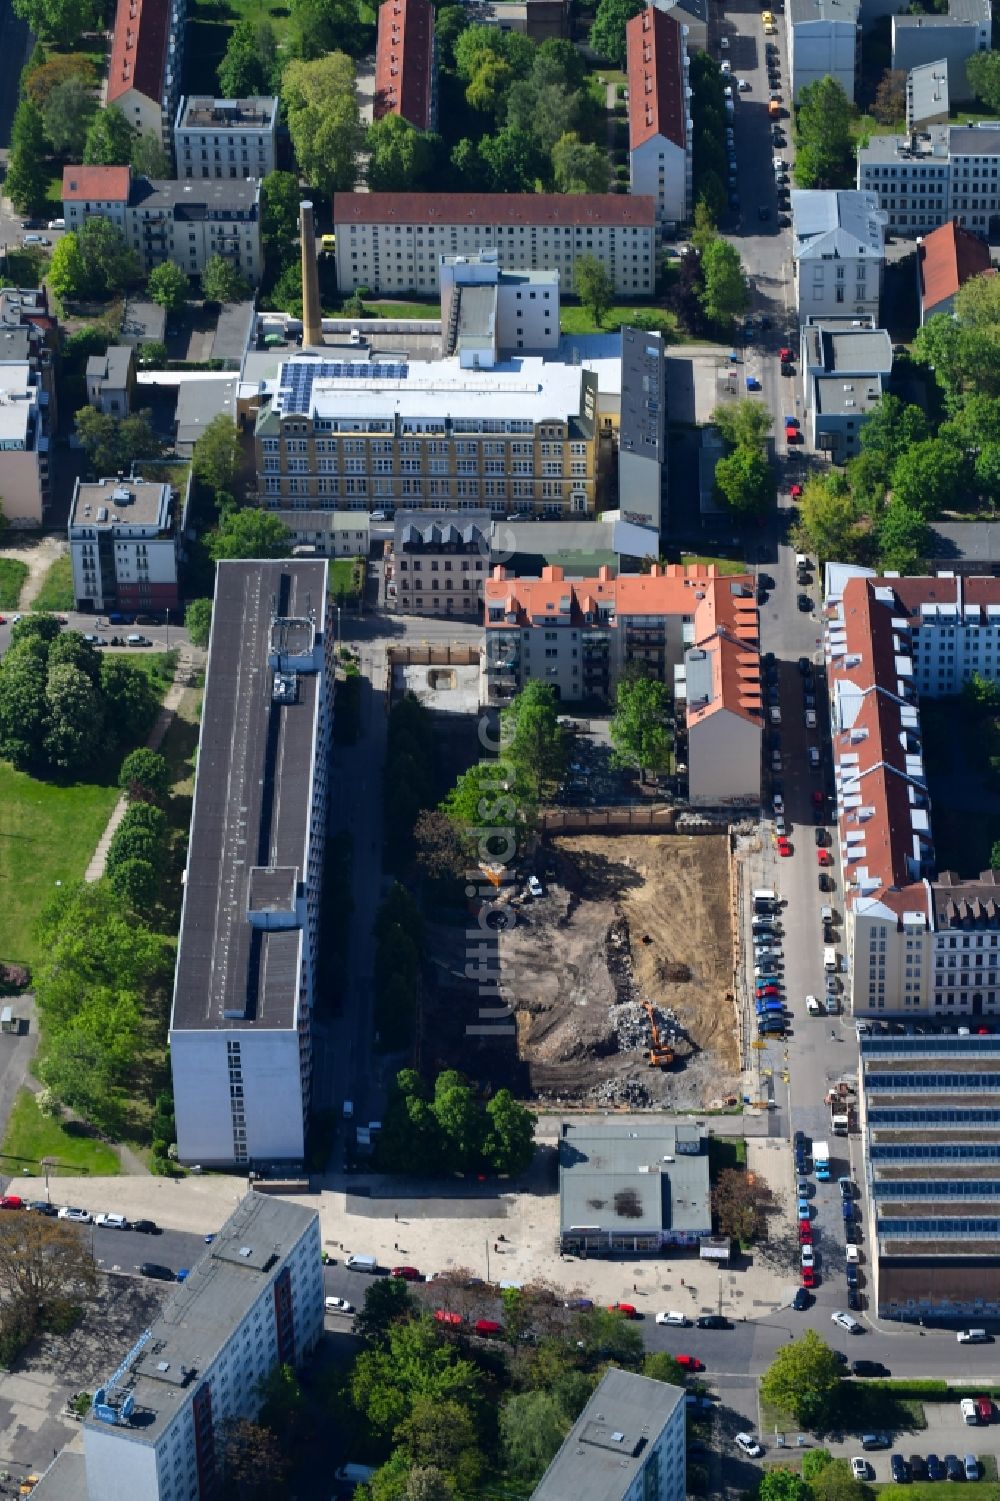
(241, 1022)
(919, 942)
(659, 114)
(392, 243)
(253, 1301)
(518, 438)
(942, 173)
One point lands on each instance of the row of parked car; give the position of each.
(917, 1468)
(78, 1216)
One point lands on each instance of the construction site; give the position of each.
(617, 979)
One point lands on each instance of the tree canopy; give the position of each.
(249, 533)
(607, 34)
(639, 731)
(824, 149)
(110, 139)
(324, 123)
(168, 285)
(427, 1132)
(534, 744)
(112, 443)
(221, 281)
(594, 287)
(400, 157)
(802, 1379)
(62, 21)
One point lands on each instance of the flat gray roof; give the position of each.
(324, 521)
(850, 351)
(610, 1441)
(252, 797)
(204, 198)
(477, 313)
(198, 401)
(134, 502)
(955, 540)
(616, 1176)
(202, 112)
(643, 424)
(199, 1320)
(66, 1477)
(232, 332)
(836, 396)
(823, 10)
(927, 91)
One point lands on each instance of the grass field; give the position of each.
(381, 308)
(578, 320)
(32, 1136)
(56, 592)
(47, 836)
(928, 1490)
(724, 565)
(12, 576)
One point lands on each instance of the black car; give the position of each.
(787, 368)
(804, 603)
(159, 1273)
(146, 1227)
(42, 1206)
(853, 1299)
(825, 881)
(785, 223)
(900, 1472)
(852, 1274)
(868, 1368)
(765, 580)
(935, 1469)
(953, 1467)
(918, 1467)
(820, 836)
(713, 1321)
(803, 1299)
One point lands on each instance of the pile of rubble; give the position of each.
(630, 1021)
(630, 1092)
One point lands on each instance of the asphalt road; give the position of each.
(163, 637)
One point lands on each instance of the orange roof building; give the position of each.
(887, 641)
(946, 259)
(406, 63)
(691, 628)
(144, 69)
(659, 121)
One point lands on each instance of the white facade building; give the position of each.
(659, 116)
(947, 172)
(838, 247)
(24, 443)
(628, 1444)
(487, 312)
(824, 41)
(252, 1302)
(844, 370)
(241, 1022)
(225, 137)
(124, 544)
(393, 242)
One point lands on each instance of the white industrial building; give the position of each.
(824, 41)
(659, 115)
(124, 544)
(838, 248)
(487, 312)
(241, 1022)
(945, 172)
(225, 137)
(253, 1301)
(628, 1444)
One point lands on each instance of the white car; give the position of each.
(339, 1305)
(726, 67)
(859, 1468)
(535, 886)
(808, 1257)
(813, 1006)
(112, 1222)
(810, 719)
(779, 165)
(671, 1316)
(78, 1216)
(844, 1321)
(743, 84)
(724, 43)
(749, 1445)
(853, 1255)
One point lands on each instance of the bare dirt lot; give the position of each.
(625, 920)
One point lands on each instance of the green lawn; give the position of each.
(12, 575)
(381, 307)
(578, 320)
(32, 1136)
(724, 565)
(48, 833)
(932, 1491)
(56, 592)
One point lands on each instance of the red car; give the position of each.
(767, 990)
(627, 1310)
(785, 354)
(823, 857)
(817, 798)
(689, 1362)
(444, 1317)
(809, 1278)
(784, 848)
(792, 435)
(11, 1201)
(796, 492)
(805, 1233)
(408, 1273)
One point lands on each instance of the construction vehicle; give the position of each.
(659, 1055)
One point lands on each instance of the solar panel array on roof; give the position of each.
(297, 376)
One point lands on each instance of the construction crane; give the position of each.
(659, 1055)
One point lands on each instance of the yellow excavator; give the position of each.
(659, 1055)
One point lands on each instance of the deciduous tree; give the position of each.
(743, 422)
(534, 743)
(217, 455)
(253, 1464)
(903, 537)
(639, 731)
(745, 480)
(607, 34)
(280, 196)
(889, 104)
(198, 621)
(825, 154)
(928, 477)
(401, 158)
(168, 286)
(781, 1484)
(40, 82)
(109, 140)
(149, 158)
(250, 533)
(113, 443)
(26, 180)
(739, 1201)
(61, 20)
(387, 1302)
(324, 123)
(802, 1379)
(509, 1140)
(532, 1427)
(66, 114)
(144, 776)
(594, 287)
(221, 281)
(828, 523)
(578, 167)
(513, 160)
(724, 291)
(45, 1266)
(413, 1363)
(983, 73)
(250, 64)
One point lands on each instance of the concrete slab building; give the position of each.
(628, 1444)
(955, 37)
(632, 1188)
(824, 41)
(928, 100)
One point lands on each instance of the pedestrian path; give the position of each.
(183, 678)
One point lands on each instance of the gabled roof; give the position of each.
(404, 61)
(96, 184)
(656, 102)
(838, 223)
(139, 50)
(947, 258)
(588, 210)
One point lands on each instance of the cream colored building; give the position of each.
(354, 435)
(24, 445)
(393, 242)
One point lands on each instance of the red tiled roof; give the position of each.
(588, 210)
(95, 184)
(139, 49)
(948, 258)
(404, 61)
(656, 103)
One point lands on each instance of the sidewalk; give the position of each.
(183, 677)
